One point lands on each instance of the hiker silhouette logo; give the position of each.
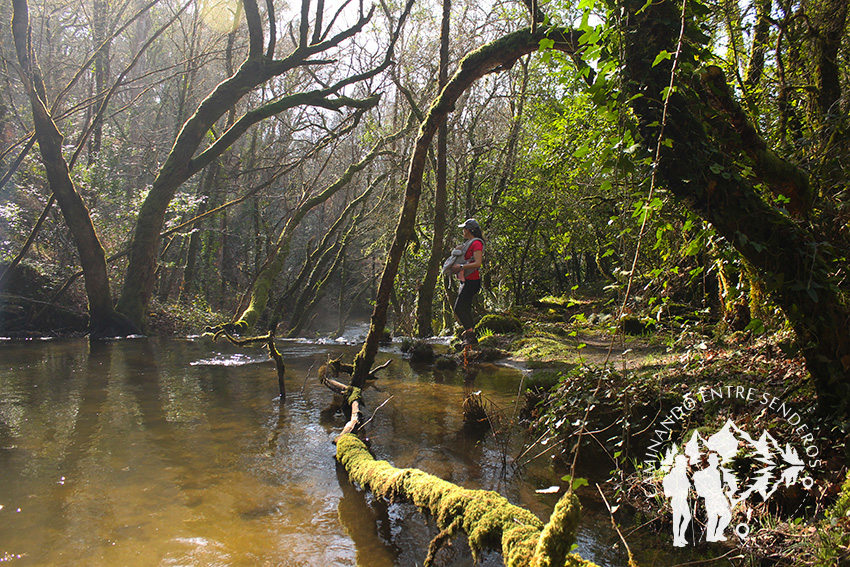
(709, 479)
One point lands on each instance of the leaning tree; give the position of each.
(703, 141)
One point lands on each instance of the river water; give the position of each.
(145, 452)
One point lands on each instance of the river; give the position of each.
(144, 452)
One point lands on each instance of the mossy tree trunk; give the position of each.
(492, 57)
(703, 177)
(103, 319)
(832, 119)
(323, 267)
(488, 519)
(274, 263)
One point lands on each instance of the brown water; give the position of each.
(147, 452)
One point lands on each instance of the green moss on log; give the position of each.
(352, 394)
(488, 519)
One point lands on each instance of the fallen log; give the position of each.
(488, 519)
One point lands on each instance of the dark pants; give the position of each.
(463, 304)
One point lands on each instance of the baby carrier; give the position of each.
(458, 255)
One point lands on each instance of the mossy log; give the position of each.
(488, 519)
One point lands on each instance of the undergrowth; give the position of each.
(615, 413)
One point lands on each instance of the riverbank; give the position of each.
(621, 393)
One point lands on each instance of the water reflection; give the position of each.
(177, 452)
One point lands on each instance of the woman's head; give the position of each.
(473, 227)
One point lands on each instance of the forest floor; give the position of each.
(583, 369)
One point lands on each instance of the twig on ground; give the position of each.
(616, 527)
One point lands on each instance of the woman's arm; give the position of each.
(475, 263)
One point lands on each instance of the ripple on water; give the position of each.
(237, 359)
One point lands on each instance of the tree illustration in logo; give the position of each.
(704, 467)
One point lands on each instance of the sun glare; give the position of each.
(219, 14)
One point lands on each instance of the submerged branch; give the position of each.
(352, 401)
(268, 341)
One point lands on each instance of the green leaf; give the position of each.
(661, 57)
(582, 151)
(812, 293)
(575, 482)
(546, 43)
(756, 326)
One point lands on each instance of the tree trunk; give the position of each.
(274, 263)
(101, 72)
(103, 320)
(425, 301)
(190, 269)
(703, 178)
(513, 140)
(761, 34)
(316, 292)
(495, 56)
(831, 123)
(317, 260)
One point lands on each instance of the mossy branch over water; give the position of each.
(488, 519)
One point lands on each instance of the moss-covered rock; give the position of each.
(542, 380)
(502, 324)
(490, 341)
(637, 326)
(444, 362)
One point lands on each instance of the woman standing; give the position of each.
(471, 280)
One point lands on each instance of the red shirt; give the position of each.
(476, 245)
